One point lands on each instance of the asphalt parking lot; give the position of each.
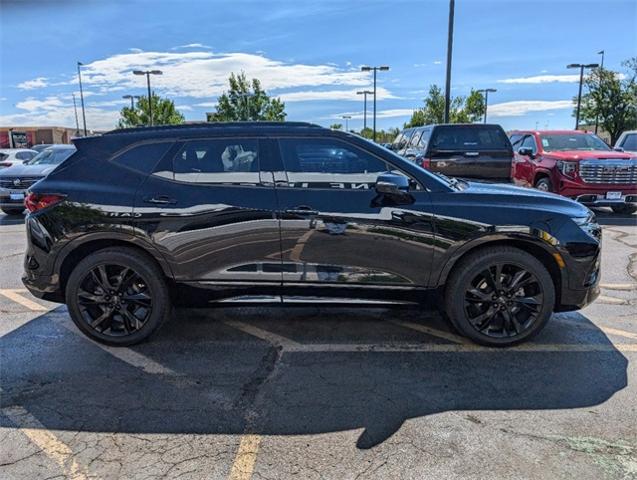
(330, 393)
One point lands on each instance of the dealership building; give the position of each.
(24, 137)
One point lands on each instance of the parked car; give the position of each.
(41, 146)
(475, 151)
(627, 142)
(15, 180)
(15, 156)
(578, 165)
(139, 219)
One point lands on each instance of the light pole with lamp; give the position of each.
(79, 77)
(581, 67)
(486, 92)
(382, 68)
(346, 118)
(148, 73)
(364, 93)
(132, 100)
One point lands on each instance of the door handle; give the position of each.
(302, 210)
(160, 200)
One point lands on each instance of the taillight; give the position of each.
(37, 201)
(424, 162)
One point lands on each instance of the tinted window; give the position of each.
(143, 157)
(630, 142)
(416, 138)
(328, 163)
(24, 155)
(529, 142)
(52, 156)
(469, 137)
(574, 141)
(516, 140)
(232, 160)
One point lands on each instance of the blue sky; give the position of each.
(307, 53)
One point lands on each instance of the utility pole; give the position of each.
(382, 68)
(449, 54)
(79, 77)
(77, 123)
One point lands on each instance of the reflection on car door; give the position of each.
(211, 210)
(337, 231)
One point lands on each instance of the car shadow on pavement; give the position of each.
(11, 219)
(609, 218)
(199, 374)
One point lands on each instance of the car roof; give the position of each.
(551, 132)
(10, 150)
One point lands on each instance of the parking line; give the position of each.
(611, 300)
(246, 457)
(619, 286)
(606, 330)
(52, 446)
(273, 338)
(431, 331)
(13, 295)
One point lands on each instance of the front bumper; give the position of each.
(596, 194)
(12, 198)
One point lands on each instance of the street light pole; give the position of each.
(382, 68)
(77, 123)
(79, 77)
(601, 72)
(449, 52)
(132, 100)
(346, 118)
(581, 67)
(486, 100)
(364, 93)
(148, 73)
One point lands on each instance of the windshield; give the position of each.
(52, 156)
(575, 141)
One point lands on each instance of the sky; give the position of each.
(308, 53)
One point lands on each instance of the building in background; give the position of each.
(24, 137)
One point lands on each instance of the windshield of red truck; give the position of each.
(577, 141)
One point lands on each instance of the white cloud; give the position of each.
(205, 74)
(326, 95)
(135, 50)
(522, 107)
(39, 82)
(437, 62)
(206, 104)
(192, 45)
(391, 113)
(543, 79)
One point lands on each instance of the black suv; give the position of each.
(140, 219)
(476, 151)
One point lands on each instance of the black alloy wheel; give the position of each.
(499, 296)
(503, 300)
(117, 296)
(114, 300)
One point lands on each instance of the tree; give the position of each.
(382, 136)
(336, 126)
(611, 98)
(164, 113)
(247, 101)
(461, 110)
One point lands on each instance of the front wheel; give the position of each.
(544, 184)
(117, 296)
(625, 209)
(499, 296)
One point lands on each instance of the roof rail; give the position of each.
(211, 125)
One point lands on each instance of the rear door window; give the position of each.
(143, 157)
(469, 138)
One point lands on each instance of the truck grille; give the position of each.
(18, 183)
(609, 171)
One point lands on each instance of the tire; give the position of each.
(544, 184)
(511, 315)
(625, 209)
(138, 305)
(13, 211)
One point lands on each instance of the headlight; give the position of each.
(589, 225)
(568, 169)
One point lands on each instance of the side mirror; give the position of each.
(526, 151)
(394, 186)
(618, 149)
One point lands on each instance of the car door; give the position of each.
(210, 208)
(337, 231)
(526, 165)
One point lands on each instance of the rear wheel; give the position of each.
(13, 211)
(626, 209)
(499, 296)
(544, 184)
(117, 296)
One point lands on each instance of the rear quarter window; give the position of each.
(469, 137)
(142, 157)
(630, 142)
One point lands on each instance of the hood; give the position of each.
(577, 155)
(497, 194)
(27, 170)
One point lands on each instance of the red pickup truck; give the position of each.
(575, 164)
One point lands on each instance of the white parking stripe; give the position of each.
(52, 446)
(273, 338)
(619, 286)
(13, 295)
(431, 331)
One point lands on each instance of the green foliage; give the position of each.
(164, 113)
(611, 99)
(247, 101)
(336, 126)
(462, 109)
(382, 136)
